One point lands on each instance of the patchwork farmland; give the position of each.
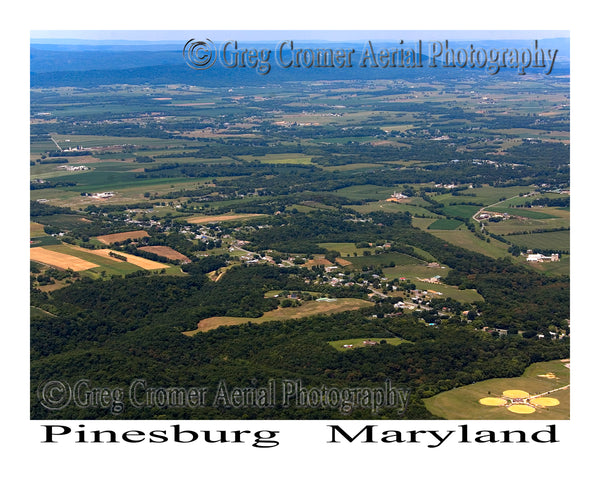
(133, 259)
(60, 260)
(83, 259)
(254, 229)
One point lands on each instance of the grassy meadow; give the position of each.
(463, 403)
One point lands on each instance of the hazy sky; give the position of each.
(278, 35)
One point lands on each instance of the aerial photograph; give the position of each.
(299, 225)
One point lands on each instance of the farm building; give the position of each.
(538, 257)
(74, 168)
(103, 195)
(395, 197)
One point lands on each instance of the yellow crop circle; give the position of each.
(545, 402)
(515, 394)
(521, 409)
(493, 402)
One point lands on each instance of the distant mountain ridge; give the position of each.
(92, 64)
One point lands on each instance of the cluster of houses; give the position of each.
(501, 332)
(418, 299)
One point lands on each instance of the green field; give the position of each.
(400, 259)
(521, 201)
(62, 221)
(513, 225)
(44, 241)
(36, 229)
(546, 241)
(445, 224)
(346, 249)
(358, 342)
(557, 218)
(450, 291)
(522, 212)
(463, 211)
(486, 195)
(52, 171)
(90, 141)
(126, 193)
(413, 271)
(112, 179)
(463, 403)
(364, 192)
(422, 223)
(423, 254)
(465, 239)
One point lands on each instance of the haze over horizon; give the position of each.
(166, 36)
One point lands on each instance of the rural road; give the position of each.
(57, 145)
(488, 206)
(550, 391)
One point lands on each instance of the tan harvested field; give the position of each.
(222, 218)
(166, 252)
(307, 309)
(120, 237)
(36, 229)
(134, 260)
(319, 260)
(342, 262)
(60, 260)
